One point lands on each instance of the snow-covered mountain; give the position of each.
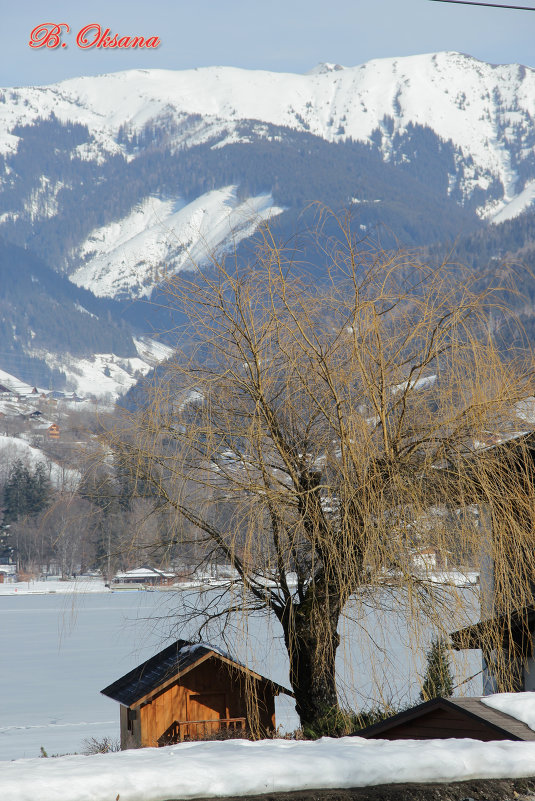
(486, 111)
(57, 336)
(118, 179)
(118, 144)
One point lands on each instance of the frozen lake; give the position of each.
(59, 651)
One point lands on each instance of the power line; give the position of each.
(488, 5)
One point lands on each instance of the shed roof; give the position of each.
(516, 625)
(169, 665)
(502, 724)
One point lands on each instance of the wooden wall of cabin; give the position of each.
(229, 694)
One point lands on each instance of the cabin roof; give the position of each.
(516, 624)
(169, 665)
(498, 722)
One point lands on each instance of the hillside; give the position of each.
(51, 331)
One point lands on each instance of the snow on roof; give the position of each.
(142, 572)
(518, 705)
(241, 767)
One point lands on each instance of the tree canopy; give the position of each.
(315, 436)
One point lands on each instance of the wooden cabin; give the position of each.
(190, 692)
(444, 718)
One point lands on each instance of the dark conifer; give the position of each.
(438, 679)
(26, 492)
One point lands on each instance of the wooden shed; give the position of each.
(444, 718)
(189, 692)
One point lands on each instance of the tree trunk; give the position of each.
(311, 639)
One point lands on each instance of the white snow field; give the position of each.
(101, 375)
(216, 769)
(54, 585)
(120, 257)
(106, 375)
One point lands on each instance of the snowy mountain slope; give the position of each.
(49, 336)
(15, 385)
(14, 448)
(520, 203)
(120, 259)
(97, 376)
(104, 375)
(487, 111)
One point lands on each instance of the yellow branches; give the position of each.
(327, 433)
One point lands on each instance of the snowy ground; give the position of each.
(53, 586)
(196, 770)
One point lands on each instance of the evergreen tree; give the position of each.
(26, 492)
(438, 679)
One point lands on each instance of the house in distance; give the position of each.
(142, 576)
(189, 692)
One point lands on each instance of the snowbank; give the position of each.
(239, 767)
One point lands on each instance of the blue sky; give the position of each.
(281, 35)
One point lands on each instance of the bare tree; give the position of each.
(317, 433)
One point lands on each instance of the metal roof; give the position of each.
(166, 665)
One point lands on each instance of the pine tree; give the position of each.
(26, 493)
(438, 679)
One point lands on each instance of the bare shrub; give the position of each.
(106, 745)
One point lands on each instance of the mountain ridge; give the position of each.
(117, 179)
(478, 112)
